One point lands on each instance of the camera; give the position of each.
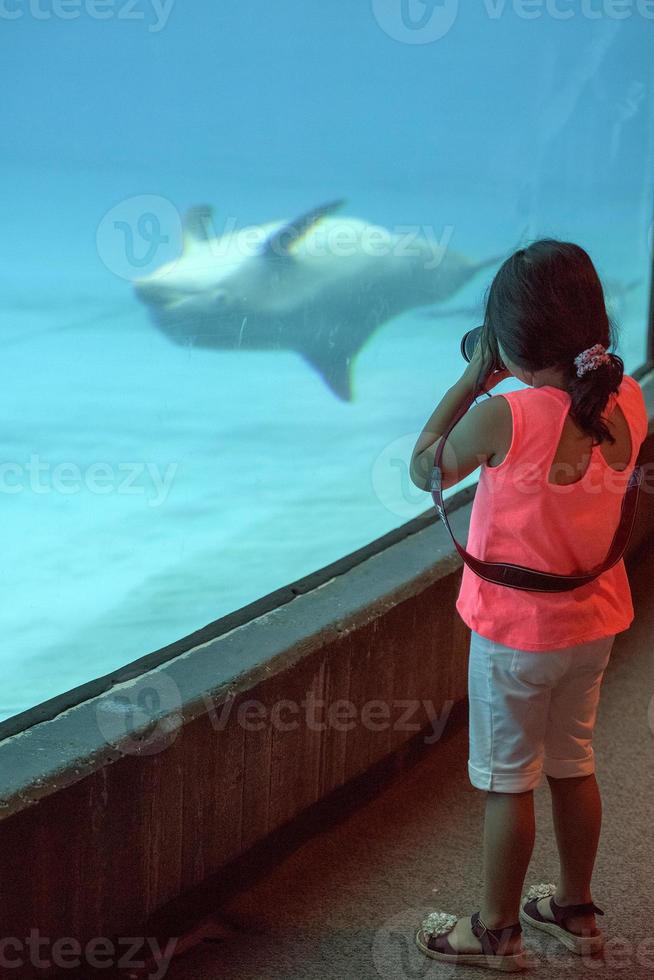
(469, 342)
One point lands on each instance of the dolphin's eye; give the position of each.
(219, 298)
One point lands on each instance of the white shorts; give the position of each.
(532, 712)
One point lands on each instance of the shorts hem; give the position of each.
(560, 768)
(508, 782)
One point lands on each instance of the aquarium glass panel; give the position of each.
(241, 244)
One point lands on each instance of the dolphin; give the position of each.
(319, 285)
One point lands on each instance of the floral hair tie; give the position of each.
(591, 358)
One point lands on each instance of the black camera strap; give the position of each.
(530, 579)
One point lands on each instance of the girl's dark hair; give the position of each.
(546, 305)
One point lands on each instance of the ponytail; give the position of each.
(590, 394)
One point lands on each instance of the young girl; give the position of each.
(555, 461)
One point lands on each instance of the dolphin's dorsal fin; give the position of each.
(198, 225)
(279, 244)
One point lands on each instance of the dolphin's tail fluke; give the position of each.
(486, 263)
(451, 311)
(497, 259)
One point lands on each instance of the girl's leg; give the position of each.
(509, 832)
(577, 816)
(576, 801)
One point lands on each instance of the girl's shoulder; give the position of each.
(632, 400)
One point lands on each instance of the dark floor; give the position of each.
(345, 905)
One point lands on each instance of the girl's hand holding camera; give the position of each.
(470, 440)
(489, 379)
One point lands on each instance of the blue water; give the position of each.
(503, 125)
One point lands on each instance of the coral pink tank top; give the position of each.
(518, 516)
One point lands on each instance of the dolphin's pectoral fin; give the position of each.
(334, 369)
(330, 350)
(279, 244)
(198, 225)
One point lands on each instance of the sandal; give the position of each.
(580, 943)
(431, 938)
